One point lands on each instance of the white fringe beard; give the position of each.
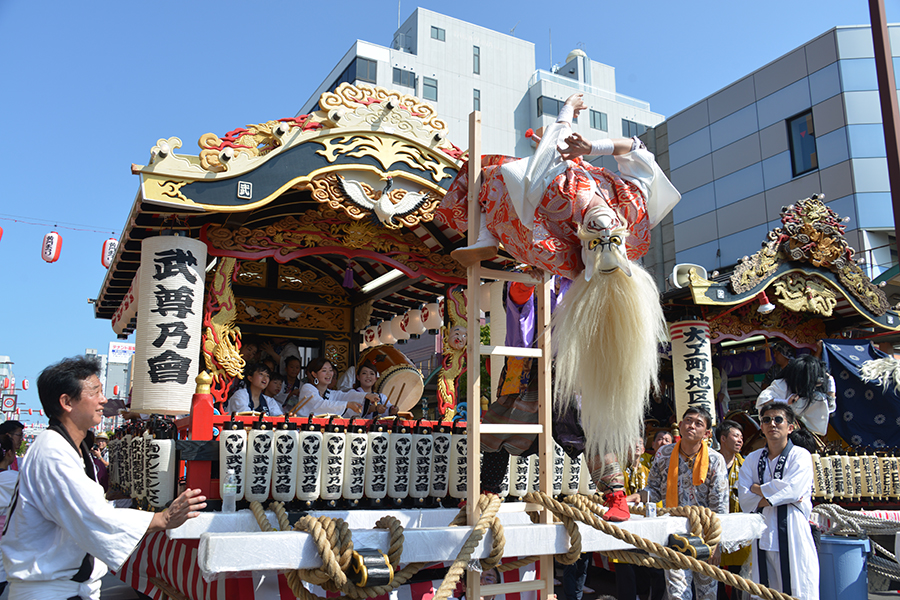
(606, 334)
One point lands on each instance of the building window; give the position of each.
(631, 129)
(366, 70)
(550, 106)
(429, 89)
(362, 69)
(476, 99)
(476, 60)
(404, 78)
(598, 120)
(437, 33)
(802, 139)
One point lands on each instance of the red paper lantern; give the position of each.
(5, 382)
(52, 246)
(1, 233)
(109, 252)
(115, 390)
(41, 412)
(25, 384)
(29, 411)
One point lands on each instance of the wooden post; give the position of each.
(473, 347)
(545, 414)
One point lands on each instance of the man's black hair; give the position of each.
(10, 426)
(698, 410)
(788, 411)
(65, 377)
(724, 427)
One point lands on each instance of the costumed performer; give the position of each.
(61, 533)
(559, 213)
(366, 376)
(317, 398)
(805, 385)
(251, 395)
(777, 481)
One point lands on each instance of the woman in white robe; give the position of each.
(317, 398)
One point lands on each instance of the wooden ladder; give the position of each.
(474, 349)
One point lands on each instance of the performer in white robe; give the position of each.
(778, 480)
(59, 520)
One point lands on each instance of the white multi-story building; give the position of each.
(459, 67)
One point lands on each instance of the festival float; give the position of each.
(320, 229)
(806, 288)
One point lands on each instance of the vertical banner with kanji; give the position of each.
(169, 323)
(692, 367)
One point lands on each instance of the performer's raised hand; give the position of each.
(576, 101)
(184, 507)
(575, 146)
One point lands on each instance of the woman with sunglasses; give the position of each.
(805, 385)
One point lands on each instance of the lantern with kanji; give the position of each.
(25, 384)
(51, 247)
(108, 252)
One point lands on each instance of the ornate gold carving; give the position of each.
(454, 362)
(294, 278)
(364, 96)
(328, 191)
(811, 232)
(805, 294)
(221, 338)
(254, 140)
(252, 273)
(386, 149)
(326, 227)
(800, 327)
(293, 314)
(339, 355)
(362, 314)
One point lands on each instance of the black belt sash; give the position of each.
(87, 565)
(781, 517)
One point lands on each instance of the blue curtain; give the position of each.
(866, 414)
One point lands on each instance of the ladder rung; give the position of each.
(508, 276)
(504, 428)
(513, 588)
(510, 351)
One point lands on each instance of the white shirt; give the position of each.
(57, 516)
(335, 402)
(240, 402)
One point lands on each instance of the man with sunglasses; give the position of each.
(777, 481)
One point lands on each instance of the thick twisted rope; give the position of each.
(860, 524)
(664, 558)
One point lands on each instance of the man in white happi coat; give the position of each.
(60, 530)
(777, 481)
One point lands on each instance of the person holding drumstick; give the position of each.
(317, 398)
(366, 377)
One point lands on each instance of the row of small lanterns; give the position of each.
(10, 383)
(409, 325)
(52, 246)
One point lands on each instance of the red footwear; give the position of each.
(617, 508)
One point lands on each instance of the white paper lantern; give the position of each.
(170, 315)
(370, 336)
(385, 336)
(233, 455)
(692, 367)
(259, 464)
(397, 329)
(161, 472)
(412, 322)
(284, 479)
(51, 247)
(432, 316)
(108, 252)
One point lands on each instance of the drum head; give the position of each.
(403, 385)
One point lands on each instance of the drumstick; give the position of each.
(299, 405)
(400, 393)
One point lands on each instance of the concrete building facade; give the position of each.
(459, 67)
(806, 123)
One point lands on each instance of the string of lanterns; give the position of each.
(51, 247)
(409, 325)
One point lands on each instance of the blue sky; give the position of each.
(90, 87)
